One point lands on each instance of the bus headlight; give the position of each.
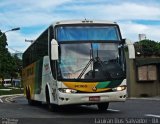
(120, 88)
(66, 90)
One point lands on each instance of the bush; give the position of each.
(147, 48)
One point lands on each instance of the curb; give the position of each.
(1, 101)
(144, 98)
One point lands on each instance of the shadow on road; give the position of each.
(78, 110)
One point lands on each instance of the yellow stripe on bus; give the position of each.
(84, 86)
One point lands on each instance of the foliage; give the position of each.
(10, 66)
(147, 48)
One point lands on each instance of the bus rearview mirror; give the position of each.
(54, 50)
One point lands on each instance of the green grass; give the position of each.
(2, 87)
(12, 91)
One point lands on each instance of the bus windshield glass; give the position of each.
(88, 60)
(85, 33)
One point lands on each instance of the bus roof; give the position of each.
(70, 22)
(83, 22)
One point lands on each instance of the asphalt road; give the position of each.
(132, 111)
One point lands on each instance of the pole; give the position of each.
(13, 29)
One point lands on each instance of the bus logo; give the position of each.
(94, 89)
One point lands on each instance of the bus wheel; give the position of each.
(103, 106)
(28, 95)
(51, 107)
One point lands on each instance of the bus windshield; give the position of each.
(85, 33)
(88, 60)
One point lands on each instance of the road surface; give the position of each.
(15, 109)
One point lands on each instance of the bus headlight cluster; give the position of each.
(120, 88)
(66, 90)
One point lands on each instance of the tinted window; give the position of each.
(37, 50)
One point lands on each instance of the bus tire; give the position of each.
(103, 106)
(51, 107)
(28, 96)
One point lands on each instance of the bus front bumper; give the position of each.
(91, 98)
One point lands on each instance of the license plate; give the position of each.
(94, 98)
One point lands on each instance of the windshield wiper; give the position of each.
(88, 64)
(83, 71)
(96, 62)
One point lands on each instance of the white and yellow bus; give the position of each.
(76, 62)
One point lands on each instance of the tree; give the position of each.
(10, 66)
(3, 53)
(17, 68)
(147, 47)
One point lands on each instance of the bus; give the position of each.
(79, 62)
